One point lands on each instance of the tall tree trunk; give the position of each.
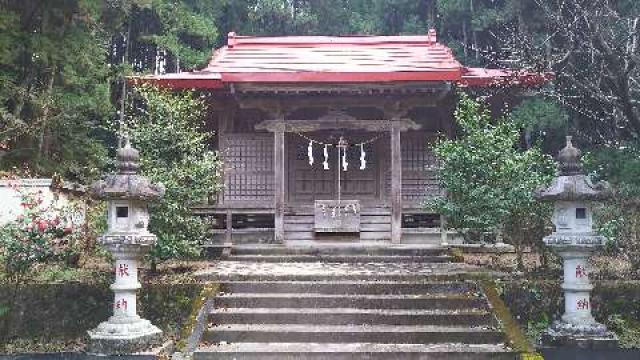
(125, 61)
(474, 33)
(43, 140)
(465, 39)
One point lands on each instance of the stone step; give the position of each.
(312, 300)
(341, 258)
(348, 316)
(223, 271)
(395, 334)
(340, 250)
(352, 351)
(351, 287)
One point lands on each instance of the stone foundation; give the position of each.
(124, 335)
(594, 336)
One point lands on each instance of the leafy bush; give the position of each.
(489, 181)
(167, 128)
(39, 234)
(628, 331)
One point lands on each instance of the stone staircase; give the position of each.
(316, 314)
(341, 253)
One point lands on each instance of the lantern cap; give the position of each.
(128, 157)
(126, 183)
(572, 184)
(569, 159)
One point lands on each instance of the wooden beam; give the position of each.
(292, 103)
(396, 183)
(279, 178)
(317, 125)
(349, 88)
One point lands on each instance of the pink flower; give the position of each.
(68, 229)
(42, 225)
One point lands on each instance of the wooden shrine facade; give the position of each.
(264, 140)
(277, 101)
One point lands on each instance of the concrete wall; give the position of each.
(10, 199)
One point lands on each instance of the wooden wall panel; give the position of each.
(419, 176)
(249, 174)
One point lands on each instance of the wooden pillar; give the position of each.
(396, 184)
(279, 180)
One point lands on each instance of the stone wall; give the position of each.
(64, 312)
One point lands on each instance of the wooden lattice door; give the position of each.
(311, 182)
(307, 182)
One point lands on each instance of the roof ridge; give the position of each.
(234, 39)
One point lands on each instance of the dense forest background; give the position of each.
(62, 62)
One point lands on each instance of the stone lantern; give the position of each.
(572, 193)
(128, 239)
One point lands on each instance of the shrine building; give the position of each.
(327, 138)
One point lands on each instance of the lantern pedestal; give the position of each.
(125, 332)
(577, 327)
(124, 335)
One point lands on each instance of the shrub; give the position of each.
(489, 181)
(167, 128)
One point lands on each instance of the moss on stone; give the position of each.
(457, 255)
(190, 323)
(512, 330)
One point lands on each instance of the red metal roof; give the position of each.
(335, 59)
(330, 59)
(482, 77)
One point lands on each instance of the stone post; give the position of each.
(572, 193)
(128, 239)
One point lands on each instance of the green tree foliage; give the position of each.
(281, 18)
(542, 121)
(55, 87)
(182, 33)
(186, 30)
(167, 128)
(489, 181)
(62, 65)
